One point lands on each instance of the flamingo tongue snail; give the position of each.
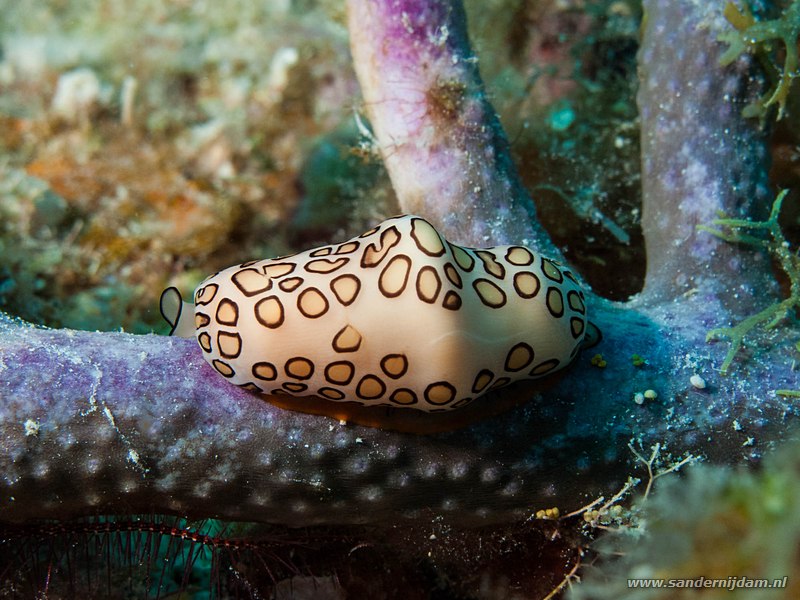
(390, 327)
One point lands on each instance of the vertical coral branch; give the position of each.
(439, 136)
(700, 155)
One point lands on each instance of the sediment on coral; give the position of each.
(700, 157)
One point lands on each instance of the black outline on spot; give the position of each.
(446, 384)
(556, 314)
(370, 377)
(592, 336)
(293, 386)
(216, 362)
(525, 294)
(462, 402)
(266, 268)
(399, 258)
(417, 241)
(348, 277)
(449, 304)
(321, 251)
(418, 285)
(235, 312)
(229, 335)
(202, 291)
(483, 300)
(572, 322)
(370, 232)
(513, 349)
(467, 254)
(322, 392)
(489, 261)
(250, 294)
(557, 278)
(303, 294)
(291, 284)
(383, 250)
(581, 307)
(280, 305)
(456, 278)
(475, 389)
(249, 263)
(201, 316)
(261, 377)
(204, 336)
(342, 349)
(389, 357)
(511, 249)
(502, 381)
(413, 395)
(552, 363)
(338, 363)
(300, 359)
(340, 250)
(250, 387)
(331, 264)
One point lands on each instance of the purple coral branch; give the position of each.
(700, 158)
(116, 423)
(438, 134)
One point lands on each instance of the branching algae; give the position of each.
(757, 37)
(767, 235)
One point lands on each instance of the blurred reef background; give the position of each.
(150, 143)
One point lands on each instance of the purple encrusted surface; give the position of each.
(699, 157)
(130, 424)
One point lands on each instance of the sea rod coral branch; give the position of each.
(129, 424)
(439, 137)
(699, 156)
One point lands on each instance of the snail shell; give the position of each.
(397, 316)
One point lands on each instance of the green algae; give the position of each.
(759, 38)
(768, 236)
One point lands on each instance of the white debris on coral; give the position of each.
(697, 381)
(32, 428)
(24, 56)
(282, 62)
(78, 92)
(126, 98)
(208, 146)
